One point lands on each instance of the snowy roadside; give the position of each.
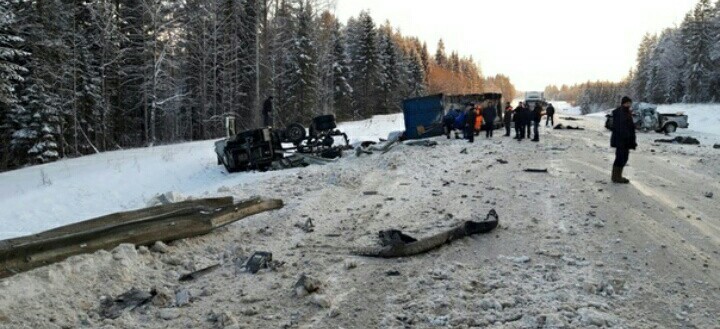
(43, 197)
(572, 251)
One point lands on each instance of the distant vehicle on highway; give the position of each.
(647, 118)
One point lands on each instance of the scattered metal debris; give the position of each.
(464, 151)
(370, 193)
(392, 273)
(199, 273)
(501, 161)
(112, 308)
(716, 146)
(709, 195)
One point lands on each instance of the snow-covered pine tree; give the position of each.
(441, 58)
(11, 75)
(699, 37)
(299, 81)
(365, 64)
(644, 68)
(416, 74)
(342, 91)
(389, 65)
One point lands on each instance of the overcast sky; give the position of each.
(535, 42)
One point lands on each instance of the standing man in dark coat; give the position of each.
(623, 139)
(536, 117)
(470, 119)
(489, 114)
(550, 116)
(267, 112)
(507, 118)
(528, 120)
(518, 119)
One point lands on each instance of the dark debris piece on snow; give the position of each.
(394, 238)
(716, 146)
(542, 171)
(134, 298)
(560, 126)
(709, 195)
(307, 227)
(686, 140)
(501, 161)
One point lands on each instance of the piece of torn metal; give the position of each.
(533, 170)
(199, 273)
(401, 245)
(257, 261)
(112, 308)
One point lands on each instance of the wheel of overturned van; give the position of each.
(295, 133)
(670, 128)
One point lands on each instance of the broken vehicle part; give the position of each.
(199, 273)
(405, 249)
(112, 308)
(257, 261)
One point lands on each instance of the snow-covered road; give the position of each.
(572, 251)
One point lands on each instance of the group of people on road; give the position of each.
(527, 121)
(475, 118)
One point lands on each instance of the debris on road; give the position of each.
(501, 161)
(532, 170)
(685, 140)
(424, 142)
(306, 285)
(112, 308)
(370, 193)
(464, 151)
(716, 146)
(560, 126)
(259, 260)
(571, 119)
(402, 245)
(709, 195)
(307, 227)
(199, 273)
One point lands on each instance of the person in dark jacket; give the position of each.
(267, 112)
(470, 119)
(449, 121)
(550, 116)
(507, 118)
(536, 117)
(623, 139)
(489, 114)
(519, 119)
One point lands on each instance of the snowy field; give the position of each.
(42, 197)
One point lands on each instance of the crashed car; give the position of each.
(647, 118)
(268, 148)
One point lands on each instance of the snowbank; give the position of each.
(43, 197)
(566, 108)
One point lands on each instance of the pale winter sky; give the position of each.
(535, 42)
